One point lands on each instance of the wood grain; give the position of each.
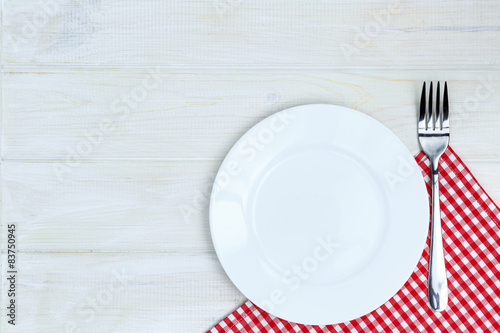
(200, 115)
(110, 206)
(251, 33)
(120, 292)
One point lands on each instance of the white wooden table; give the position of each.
(117, 114)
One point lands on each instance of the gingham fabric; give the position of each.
(472, 250)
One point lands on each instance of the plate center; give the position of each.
(318, 215)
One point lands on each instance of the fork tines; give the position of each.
(432, 119)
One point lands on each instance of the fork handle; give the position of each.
(438, 286)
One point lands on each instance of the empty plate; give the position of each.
(319, 214)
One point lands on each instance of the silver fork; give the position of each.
(434, 136)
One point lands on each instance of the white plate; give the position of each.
(319, 214)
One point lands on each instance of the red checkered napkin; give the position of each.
(472, 247)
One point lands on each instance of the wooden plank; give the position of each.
(80, 116)
(122, 292)
(251, 33)
(109, 206)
